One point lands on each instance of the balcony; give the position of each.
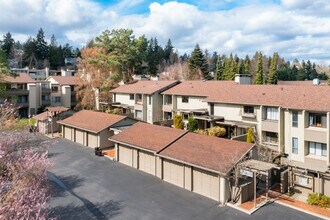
(248, 115)
(16, 92)
(138, 106)
(45, 102)
(46, 90)
(167, 108)
(316, 134)
(269, 125)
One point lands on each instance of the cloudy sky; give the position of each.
(294, 28)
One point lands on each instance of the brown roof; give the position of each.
(57, 109)
(91, 120)
(66, 80)
(148, 136)
(197, 88)
(217, 154)
(42, 116)
(313, 98)
(21, 78)
(145, 87)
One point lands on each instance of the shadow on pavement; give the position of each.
(89, 210)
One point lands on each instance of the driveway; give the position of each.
(89, 187)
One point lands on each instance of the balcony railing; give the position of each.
(46, 90)
(15, 92)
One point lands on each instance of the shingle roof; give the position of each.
(42, 116)
(21, 78)
(293, 97)
(197, 88)
(91, 120)
(147, 136)
(66, 80)
(217, 154)
(144, 87)
(57, 109)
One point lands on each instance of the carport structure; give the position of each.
(93, 129)
(195, 162)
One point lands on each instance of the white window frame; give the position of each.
(295, 145)
(272, 113)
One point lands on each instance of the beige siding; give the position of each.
(92, 140)
(188, 177)
(193, 103)
(147, 162)
(159, 167)
(206, 184)
(104, 138)
(124, 99)
(173, 172)
(79, 136)
(125, 155)
(68, 133)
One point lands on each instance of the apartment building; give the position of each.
(142, 98)
(291, 120)
(63, 92)
(21, 90)
(188, 99)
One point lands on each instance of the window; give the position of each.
(319, 149)
(56, 99)
(54, 88)
(315, 120)
(22, 99)
(248, 109)
(185, 99)
(131, 96)
(212, 109)
(149, 99)
(295, 145)
(168, 100)
(138, 114)
(114, 97)
(272, 113)
(45, 97)
(138, 98)
(271, 137)
(295, 119)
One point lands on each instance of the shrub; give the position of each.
(192, 124)
(320, 200)
(249, 137)
(178, 121)
(201, 131)
(217, 131)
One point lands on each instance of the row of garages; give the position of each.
(185, 159)
(195, 179)
(84, 137)
(93, 129)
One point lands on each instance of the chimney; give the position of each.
(243, 79)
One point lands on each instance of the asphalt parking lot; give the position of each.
(85, 186)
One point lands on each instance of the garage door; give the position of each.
(173, 172)
(125, 155)
(147, 162)
(92, 140)
(67, 133)
(80, 137)
(206, 184)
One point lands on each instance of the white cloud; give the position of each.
(293, 28)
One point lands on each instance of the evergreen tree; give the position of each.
(29, 49)
(219, 69)
(259, 74)
(302, 73)
(41, 52)
(7, 44)
(272, 76)
(56, 57)
(168, 51)
(213, 62)
(230, 68)
(197, 62)
(240, 67)
(247, 65)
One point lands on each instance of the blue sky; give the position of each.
(294, 28)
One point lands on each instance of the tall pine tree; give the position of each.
(198, 63)
(218, 69)
(247, 66)
(272, 76)
(41, 52)
(259, 74)
(7, 44)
